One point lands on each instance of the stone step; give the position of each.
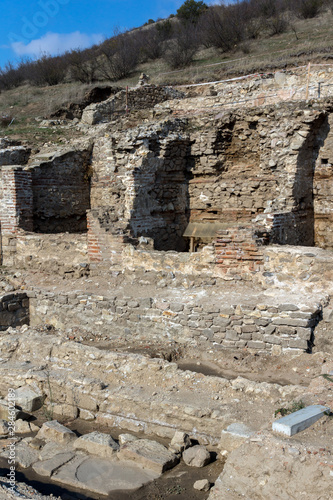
(299, 420)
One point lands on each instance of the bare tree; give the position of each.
(120, 56)
(182, 47)
(83, 64)
(47, 70)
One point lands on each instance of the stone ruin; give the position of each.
(213, 228)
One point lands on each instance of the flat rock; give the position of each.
(24, 455)
(51, 449)
(197, 456)
(149, 454)
(202, 485)
(28, 399)
(50, 466)
(102, 476)
(53, 431)
(97, 443)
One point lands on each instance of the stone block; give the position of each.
(249, 328)
(256, 344)
(27, 399)
(234, 435)
(299, 420)
(298, 344)
(272, 339)
(231, 335)
(53, 431)
(149, 454)
(97, 443)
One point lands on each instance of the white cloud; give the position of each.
(56, 43)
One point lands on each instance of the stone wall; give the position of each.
(244, 168)
(14, 155)
(64, 254)
(302, 266)
(61, 192)
(14, 310)
(248, 325)
(136, 98)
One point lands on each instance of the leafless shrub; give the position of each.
(222, 28)
(277, 24)
(10, 76)
(83, 64)
(120, 56)
(47, 70)
(182, 47)
(307, 9)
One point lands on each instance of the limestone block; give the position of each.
(197, 456)
(149, 454)
(180, 442)
(53, 431)
(234, 435)
(27, 399)
(24, 427)
(97, 443)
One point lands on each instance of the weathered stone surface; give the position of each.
(180, 442)
(149, 454)
(48, 467)
(234, 435)
(126, 438)
(50, 448)
(28, 399)
(53, 431)
(97, 443)
(197, 456)
(3, 428)
(24, 455)
(102, 476)
(24, 427)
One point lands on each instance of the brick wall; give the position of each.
(237, 252)
(16, 210)
(104, 245)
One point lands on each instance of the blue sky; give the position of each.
(29, 28)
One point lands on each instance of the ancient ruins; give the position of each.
(187, 228)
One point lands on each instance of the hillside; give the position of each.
(307, 40)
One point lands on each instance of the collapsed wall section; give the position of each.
(137, 98)
(14, 310)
